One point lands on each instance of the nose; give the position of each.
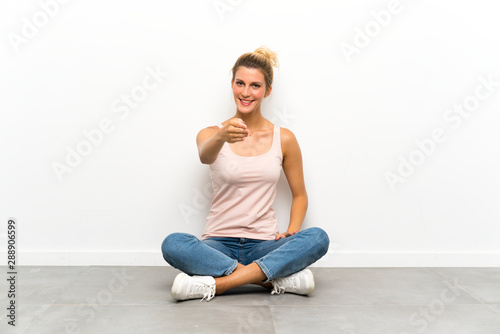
(246, 91)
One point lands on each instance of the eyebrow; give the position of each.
(255, 82)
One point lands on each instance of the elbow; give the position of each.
(303, 198)
(205, 160)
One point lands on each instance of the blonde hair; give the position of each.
(263, 59)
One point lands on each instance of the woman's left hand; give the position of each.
(283, 235)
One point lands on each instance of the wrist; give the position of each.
(218, 137)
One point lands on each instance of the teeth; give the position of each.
(244, 101)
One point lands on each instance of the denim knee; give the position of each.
(170, 245)
(320, 239)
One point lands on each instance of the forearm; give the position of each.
(210, 148)
(297, 213)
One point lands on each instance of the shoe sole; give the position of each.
(175, 286)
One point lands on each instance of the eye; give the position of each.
(256, 85)
(239, 83)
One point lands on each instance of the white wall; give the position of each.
(357, 105)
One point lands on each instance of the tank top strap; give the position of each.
(220, 125)
(276, 133)
(277, 141)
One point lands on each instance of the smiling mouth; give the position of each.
(246, 102)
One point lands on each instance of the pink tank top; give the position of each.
(244, 191)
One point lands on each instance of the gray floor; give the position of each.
(125, 300)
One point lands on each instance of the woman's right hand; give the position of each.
(234, 131)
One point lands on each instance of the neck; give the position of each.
(253, 120)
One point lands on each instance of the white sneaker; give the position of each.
(193, 287)
(301, 283)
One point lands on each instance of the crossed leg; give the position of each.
(285, 257)
(249, 274)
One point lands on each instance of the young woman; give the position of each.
(241, 243)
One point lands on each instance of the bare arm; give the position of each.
(292, 166)
(210, 140)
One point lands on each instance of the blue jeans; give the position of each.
(219, 256)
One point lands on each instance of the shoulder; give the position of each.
(206, 133)
(210, 130)
(289, 142)
(287, 136)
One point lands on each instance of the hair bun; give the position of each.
(270, 55)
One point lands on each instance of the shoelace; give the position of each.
(277, 289)
(208, 292)
(280, 283)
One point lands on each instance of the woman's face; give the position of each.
(249, 89)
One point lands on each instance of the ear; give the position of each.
(268, 91)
